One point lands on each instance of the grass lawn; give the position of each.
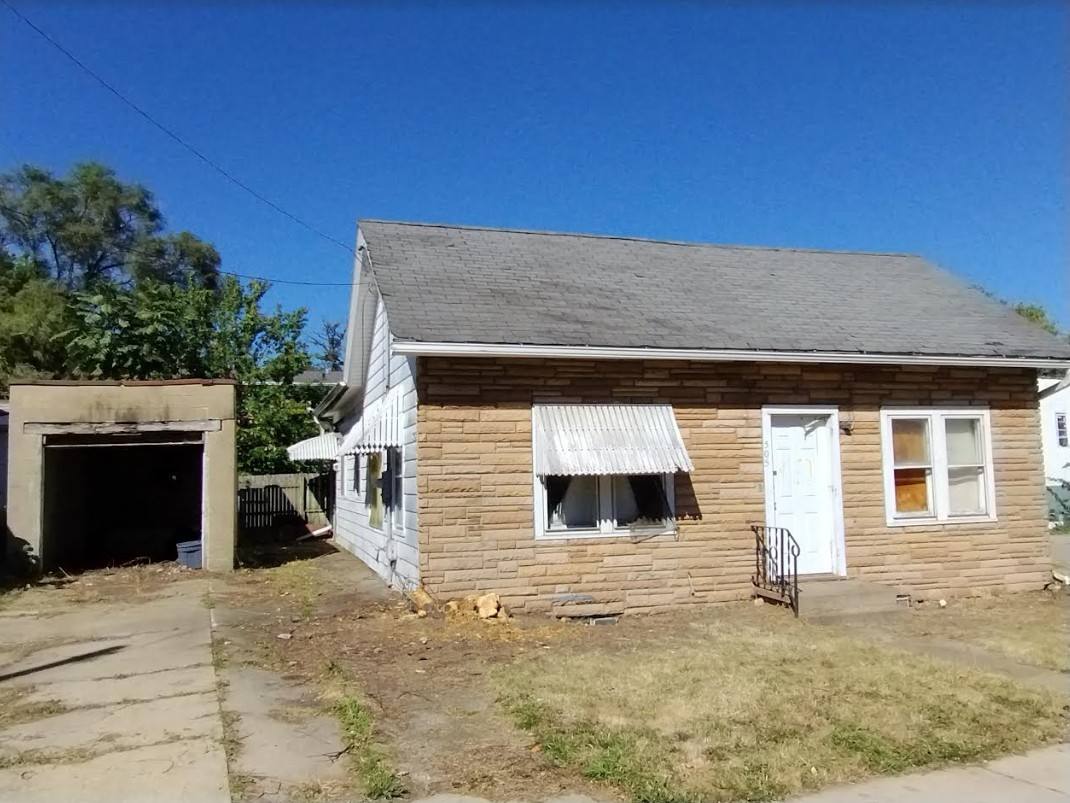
(758, 706)
(1031, 628)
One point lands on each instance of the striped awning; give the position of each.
(575, 439)
(379, 428)
(321, 447)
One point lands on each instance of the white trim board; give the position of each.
(120, 428)
(444, 349)
(839, 540)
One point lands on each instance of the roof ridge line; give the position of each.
(626, 238)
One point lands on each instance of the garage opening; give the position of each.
(118, 499)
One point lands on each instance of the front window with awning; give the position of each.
(605, 469)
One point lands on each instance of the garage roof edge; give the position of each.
(122, 382)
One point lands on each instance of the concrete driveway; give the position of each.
(119, 702)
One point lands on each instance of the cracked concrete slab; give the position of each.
(197, 679)
(286, 738)
(117, 725)
(166, 773)
(143, 721)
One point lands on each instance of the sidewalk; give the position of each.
(1042, 776)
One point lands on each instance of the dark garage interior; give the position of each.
(113, 500)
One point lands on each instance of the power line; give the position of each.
(227, 175)
(284, 281)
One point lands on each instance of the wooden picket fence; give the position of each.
(271, 500)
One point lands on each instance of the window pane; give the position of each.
(571, 502)
(639, 500)
(910, 441)
(373, 494)
(963, 441)
(1060, 429)
(965, 491)
(912, 490)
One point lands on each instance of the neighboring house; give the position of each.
(314, 377)
(569, 417)
(1054, 426)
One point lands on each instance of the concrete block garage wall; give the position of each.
(103, 414)
(476, 520)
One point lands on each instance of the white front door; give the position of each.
(801, 487)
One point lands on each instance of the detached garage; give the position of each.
(103, 473)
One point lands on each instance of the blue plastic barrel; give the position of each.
(189, 554)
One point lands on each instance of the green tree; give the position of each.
(90, 227)
(160, 331)
(33, 308)
(270, 418)
(151, 331)
(330, 344)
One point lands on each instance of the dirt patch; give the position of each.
(54, 593)
(423, 681)
(1033, 629)
(17, 709)
(1030, 628)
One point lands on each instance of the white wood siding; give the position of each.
(1056, 457)
(392, 551)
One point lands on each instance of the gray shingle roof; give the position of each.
(474, 285)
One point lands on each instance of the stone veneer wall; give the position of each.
(474, 479)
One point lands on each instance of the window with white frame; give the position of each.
(937, 465)
(608, 505)
(1060, 429)
(373, 490)
(350, 476)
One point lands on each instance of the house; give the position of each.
(314, 377)
(1055, 431)
(560, 417)
(101, 473)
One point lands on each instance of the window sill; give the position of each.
(930, 522)
(576, 535)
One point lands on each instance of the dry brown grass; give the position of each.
(118, 584)
(16, 709)
(761, 707)
(1032, 628)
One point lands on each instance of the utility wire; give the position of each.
(227, 175)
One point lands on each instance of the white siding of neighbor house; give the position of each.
(1056, 457)
(393, 551)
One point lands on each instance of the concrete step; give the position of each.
(823, 597)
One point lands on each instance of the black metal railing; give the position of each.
(776, 563)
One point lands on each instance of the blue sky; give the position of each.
(936, 129)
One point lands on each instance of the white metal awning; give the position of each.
(379, 428)
(608, 439)
(321, 447)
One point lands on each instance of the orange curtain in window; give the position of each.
(910, 441)
(911, 490)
